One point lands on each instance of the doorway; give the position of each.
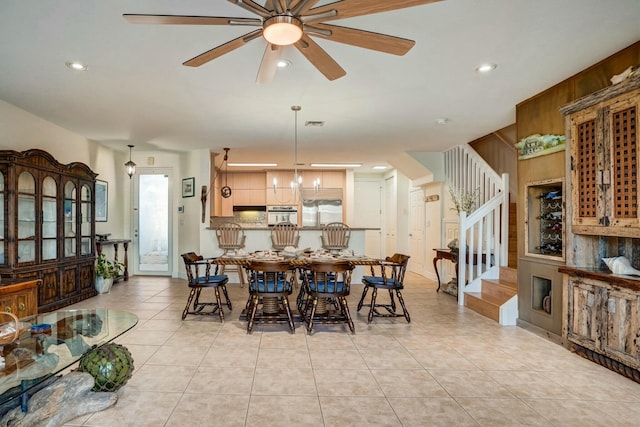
(152, 222)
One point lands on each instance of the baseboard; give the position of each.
(540, 332)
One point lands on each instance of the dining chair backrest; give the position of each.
(230, 236)
(394, 268)
(284, 234)
(335, 236)
(270, 277)
(199, 270)
(329, 277)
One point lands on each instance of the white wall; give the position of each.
(21, 131)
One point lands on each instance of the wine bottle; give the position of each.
(551, 195)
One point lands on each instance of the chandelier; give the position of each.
(130, 165)
(296, 181)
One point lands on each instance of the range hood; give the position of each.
(250, 208)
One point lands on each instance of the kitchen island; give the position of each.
(259, 239)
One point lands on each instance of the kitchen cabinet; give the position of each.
(283, 194)
(249, 189)
(603, 143)
(603, 312)
(327, 178)
(48, 226)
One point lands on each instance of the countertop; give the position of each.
(624, 281)
(302, 229)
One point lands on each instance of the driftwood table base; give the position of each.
(63, 400)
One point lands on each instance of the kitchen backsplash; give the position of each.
(244, 218)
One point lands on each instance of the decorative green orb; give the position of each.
(110, 365)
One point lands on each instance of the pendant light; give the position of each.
(297, 180)
(131, 167)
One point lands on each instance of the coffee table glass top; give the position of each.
(54, 342)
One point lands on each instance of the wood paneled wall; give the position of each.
(540, 114)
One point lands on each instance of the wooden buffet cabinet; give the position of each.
(602, 319)
(602, 310)
(47, 218)
(20, 299)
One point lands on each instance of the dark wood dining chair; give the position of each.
(284, 234)
(199, 277)
(270, 284)
(326, 283)
(335, 236)
(390, 278)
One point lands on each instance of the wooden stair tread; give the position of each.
(507, 286)
(488, 298)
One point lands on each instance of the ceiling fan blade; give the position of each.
(222, 49)
(319, 58)
(351, 8)
(252, 7)
(300, 7)
(189, 20)
(361, 38)
(269, 64)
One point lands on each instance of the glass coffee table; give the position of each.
(54, 342)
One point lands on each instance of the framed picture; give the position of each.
(102, 199)
(188, 187)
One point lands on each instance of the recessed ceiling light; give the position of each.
(442, 121)
(379, 167)
(485, 68)
(266, 165)
(314, 123)
(283, 63)
(335, 165)
(77, 66)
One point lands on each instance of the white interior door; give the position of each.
(368, 213)
(152, 222)
(391, 215)
(416, 231)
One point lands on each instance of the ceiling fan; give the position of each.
(293, 22)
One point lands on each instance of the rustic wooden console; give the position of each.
(602, 318)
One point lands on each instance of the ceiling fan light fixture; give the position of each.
(282, 30)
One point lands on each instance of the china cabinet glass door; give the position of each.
(26, 218)
(70, 215)
(86, 220)
(49, 219)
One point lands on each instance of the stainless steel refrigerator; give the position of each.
(318, 212)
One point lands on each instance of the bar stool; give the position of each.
(231, 237)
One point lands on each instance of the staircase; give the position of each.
(497, 298)
(490, 288)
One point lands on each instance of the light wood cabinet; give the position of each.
(603, 316)
(332, 179)
(603, 141)
(48, 226)
(20, 299)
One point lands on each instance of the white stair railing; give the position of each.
(485, 232)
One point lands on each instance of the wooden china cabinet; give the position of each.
(48, 227)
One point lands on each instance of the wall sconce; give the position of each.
(131, 167)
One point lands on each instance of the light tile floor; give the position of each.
(448, 367)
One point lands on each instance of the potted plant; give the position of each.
(106, 271)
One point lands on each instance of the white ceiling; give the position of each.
(137, 92)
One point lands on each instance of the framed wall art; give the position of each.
(102, 200)
(188, 187)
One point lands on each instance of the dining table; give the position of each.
(297, 261)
